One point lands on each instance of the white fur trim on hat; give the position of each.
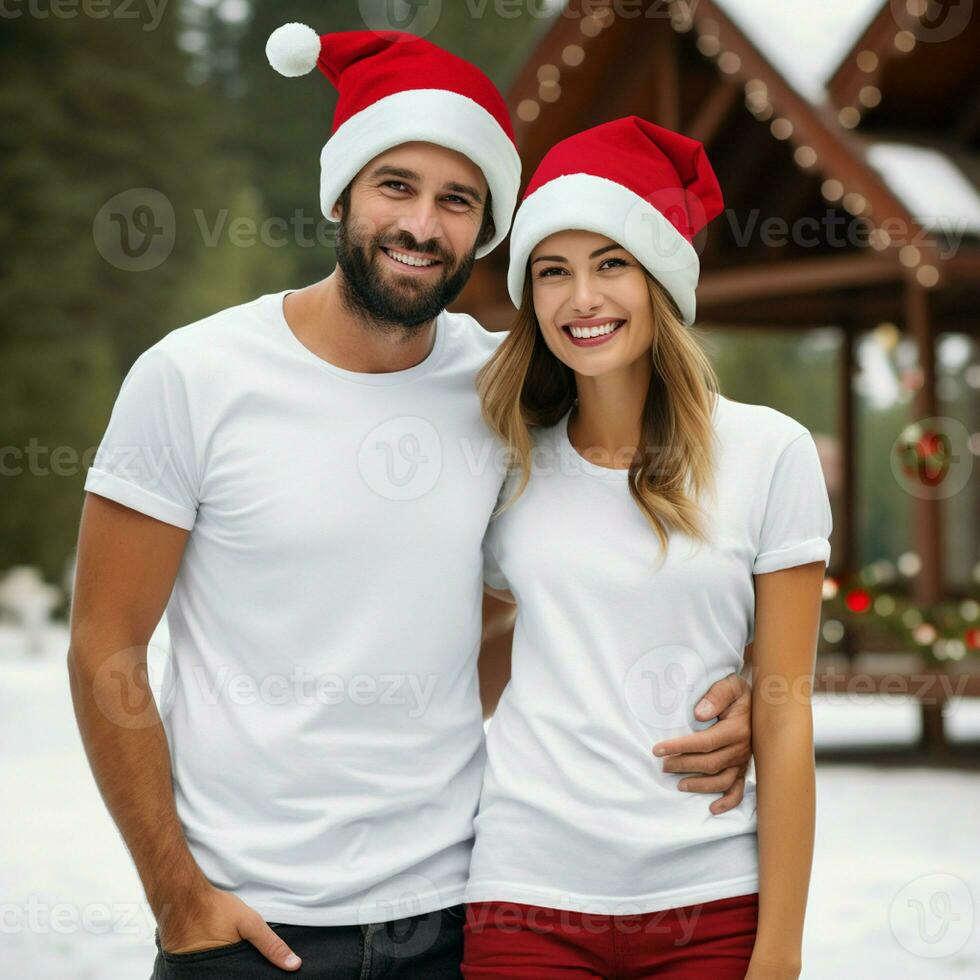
(590, 203)
(435, 116)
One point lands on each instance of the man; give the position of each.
(302, 481)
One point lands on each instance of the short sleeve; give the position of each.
(147, 458)
(797, 522)
(492, 574)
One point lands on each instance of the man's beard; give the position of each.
(409, 304)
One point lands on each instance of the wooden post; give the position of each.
(844, 519)
(926, 509)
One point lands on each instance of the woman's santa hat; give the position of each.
(647, 188)
(394, 88)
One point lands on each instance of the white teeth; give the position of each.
(584, 332)
(409, 259)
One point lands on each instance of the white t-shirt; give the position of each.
(612, 651)
(324, 718)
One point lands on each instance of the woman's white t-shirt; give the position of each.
(612, 651)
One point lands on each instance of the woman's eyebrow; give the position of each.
(561, 258)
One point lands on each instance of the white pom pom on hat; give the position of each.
(293, 49)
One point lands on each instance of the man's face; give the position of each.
(407, 242)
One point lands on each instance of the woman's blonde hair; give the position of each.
(524, 384)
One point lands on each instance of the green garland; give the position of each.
(946, 631)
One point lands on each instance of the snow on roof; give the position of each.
(931, 186)
(805, 40)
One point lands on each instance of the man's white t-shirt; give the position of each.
(323, 711)
(612, 651)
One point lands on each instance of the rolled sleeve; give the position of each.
(798, 522)
(147, 459)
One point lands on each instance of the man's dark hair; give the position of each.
(487, 229)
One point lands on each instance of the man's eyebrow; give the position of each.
(394, 172)
(561, 258)
(389, 171)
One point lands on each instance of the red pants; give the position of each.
(710, 939)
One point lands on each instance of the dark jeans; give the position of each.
(423, 947)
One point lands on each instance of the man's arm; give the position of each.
(493, 666)
(126, 566)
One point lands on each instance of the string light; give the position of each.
(550, 92)
(909, 256)
(867, 61)
(832, 190)
(870, 96)
(528, 110)
(805, 156)
(781, 128)
(708, 45)
(680, 17)
(905, 41)
(729, 62)
(879, 239)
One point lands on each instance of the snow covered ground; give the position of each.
(893, 895)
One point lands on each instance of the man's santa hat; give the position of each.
(647, 188)
(394, 88)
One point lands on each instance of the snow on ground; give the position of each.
(893, 893)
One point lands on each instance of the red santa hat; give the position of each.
(647, 188)
(394, 88)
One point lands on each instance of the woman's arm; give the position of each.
(786, 623)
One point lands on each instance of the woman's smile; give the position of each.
(592, 332)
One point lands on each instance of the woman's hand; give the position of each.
(719, 755)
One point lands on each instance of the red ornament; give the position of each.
(926, 459)
(858, 600)
(972, 637)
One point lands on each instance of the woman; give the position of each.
(651, 529)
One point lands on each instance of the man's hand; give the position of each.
(215, 918)
(720, 754)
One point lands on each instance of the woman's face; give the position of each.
(592, 301)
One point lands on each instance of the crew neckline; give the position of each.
(424, 367)
(587, 466)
